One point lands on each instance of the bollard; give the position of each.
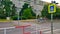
(40, 32)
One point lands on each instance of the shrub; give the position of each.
(15, 18)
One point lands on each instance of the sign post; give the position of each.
(51, 23)
(51, 10)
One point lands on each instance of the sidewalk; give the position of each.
(30, 20)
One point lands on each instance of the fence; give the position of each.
(18, 30)
(6, 29)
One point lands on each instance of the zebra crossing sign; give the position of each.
(52, 8)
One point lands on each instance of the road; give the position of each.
(35, 28)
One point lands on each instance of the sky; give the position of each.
(58, 1)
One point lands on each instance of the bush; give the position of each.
(15, 18)
(24, 18)
(2, 17)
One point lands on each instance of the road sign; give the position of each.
(52, 8)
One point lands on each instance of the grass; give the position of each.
(4, 20)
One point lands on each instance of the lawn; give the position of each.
(4, 20)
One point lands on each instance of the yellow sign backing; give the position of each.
(52, 8)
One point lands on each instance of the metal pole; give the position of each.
(18, 17)
(21, 16)
(36, 22)
(4, 31)
(51, 23)
(23, 30)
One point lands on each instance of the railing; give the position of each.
(6, 29)
(22, 27)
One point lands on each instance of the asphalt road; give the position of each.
(45, 28)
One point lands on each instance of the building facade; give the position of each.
(37, 5)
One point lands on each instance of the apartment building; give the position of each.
(37, 5)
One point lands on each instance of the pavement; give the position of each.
(35, 28)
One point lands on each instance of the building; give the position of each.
(37, 5)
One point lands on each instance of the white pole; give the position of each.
(4, 31)
(18, 17)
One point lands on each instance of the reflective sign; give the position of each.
(52, 8)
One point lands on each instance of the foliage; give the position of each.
(15, 18)
(46, 14)
(25, 6)
(27, 12)
(7, 9)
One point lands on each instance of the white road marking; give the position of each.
(53, 31)
(40, 30)
(45, 29)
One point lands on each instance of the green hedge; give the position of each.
(2, 17)
(15, 18)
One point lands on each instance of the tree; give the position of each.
(8, 8)
(27, 12)
(25, 6)
(46, 14)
